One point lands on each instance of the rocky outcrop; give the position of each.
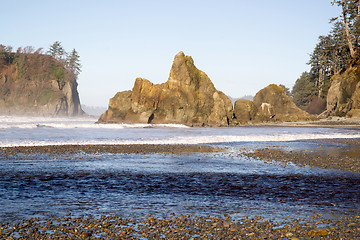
(343, 97)
(244, 111)
(270, 104)
(37, 84)
(188, 97)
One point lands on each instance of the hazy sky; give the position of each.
(242, 45)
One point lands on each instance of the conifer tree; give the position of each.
(304, 90)
(56, 50)
(350, 17)
(73, 62)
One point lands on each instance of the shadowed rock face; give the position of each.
(343, 98)
(38, 85)
(271, 104)
(188, 97)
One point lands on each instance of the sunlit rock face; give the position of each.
(188, 97)
(343, 97)
(271, 104)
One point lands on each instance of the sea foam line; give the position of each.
(87, 125)
(187, 140)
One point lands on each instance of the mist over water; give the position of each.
(44, 185)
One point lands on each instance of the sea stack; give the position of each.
(270, 104)
(188, 97)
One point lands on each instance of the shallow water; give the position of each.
(44, 185)
(202, 184)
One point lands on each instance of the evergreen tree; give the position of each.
(57, 51)
(73, 62)
(286, 89)
(350, 16)
(331, 54)
(321, 61)
(304, 90)
(6, 54)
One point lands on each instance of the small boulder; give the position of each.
(274, 105)
(244, 111)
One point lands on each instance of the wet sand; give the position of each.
(345, 157)
(92, 149)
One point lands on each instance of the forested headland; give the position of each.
(35, 82)
(334, 53)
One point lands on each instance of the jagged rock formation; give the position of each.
(37, 84)
(343, 97)
(188, 97)
(271, 104)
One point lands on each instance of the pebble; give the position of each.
(346, 157)
(187, 226)
(127, 149)
(181, 227)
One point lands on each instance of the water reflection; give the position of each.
(202, 184)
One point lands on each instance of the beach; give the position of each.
(344, 157)
(62, 179)
(181, 227)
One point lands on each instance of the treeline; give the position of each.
(69, 61)
(332, 53)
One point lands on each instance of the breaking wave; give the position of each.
(24, 131)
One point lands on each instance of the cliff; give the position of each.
(37, 84)
(270, 104)
(343, 97)
(188, 97)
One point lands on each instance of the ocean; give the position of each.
(135, 185)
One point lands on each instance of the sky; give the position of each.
(242, 45)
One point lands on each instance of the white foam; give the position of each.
(31, 119)
(185, 140)
(39, 131)
(7, 122)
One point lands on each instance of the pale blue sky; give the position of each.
(243, 46)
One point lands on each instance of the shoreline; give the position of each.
(111, 148)
(181, 227)
(334, 122)
(191, 226)
(345, 156)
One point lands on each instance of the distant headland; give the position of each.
(39, 84)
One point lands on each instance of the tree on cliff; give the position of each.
(327, 58)
(56, 50)
(73, 62)
(350, 16)
(6, 54)
(286, 89)
(331, 54)
(304, 90)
